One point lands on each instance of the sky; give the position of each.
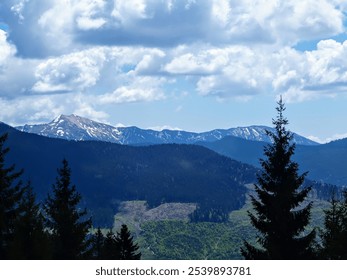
(195, 65)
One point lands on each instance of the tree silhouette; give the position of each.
(30, 240)
(98, 245)
(127, 248)
(68, 224)
(334, 234)
(110, 250)
(11, 192)
(280, 215)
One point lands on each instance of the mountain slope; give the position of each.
(107, 173)
(326, 162)
(73, 127)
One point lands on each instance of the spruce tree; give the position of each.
(68, 224)
(30, 240)
(280, 214)
(10, 194)
(110, 249)
(334, 234)
(127, 248)
(98, 245)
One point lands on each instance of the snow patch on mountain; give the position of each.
(73, 127)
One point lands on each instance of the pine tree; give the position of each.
(280, 215)
(68, 224)
(30, 240)
(10, 194)
(127, 248)
(110, 250)
(334, 234)
(98, 245)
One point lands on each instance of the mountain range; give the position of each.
(72, 127)
(108, 173)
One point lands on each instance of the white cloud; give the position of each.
(204, 62)
(336, 137)
(313, 74)
(329, 139)
(44, 108)
(32, 109)
(128, 10)
(73, 72)
(140, 89)
(86, 23)
(71, 24)
(6, 50)
(164, 127)
(131, 51)
(221, 11)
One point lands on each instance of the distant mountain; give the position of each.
(74, 127)
(108, 173)
(326, 162)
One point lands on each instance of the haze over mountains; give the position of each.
(72, 127)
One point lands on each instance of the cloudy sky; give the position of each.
(189, 64)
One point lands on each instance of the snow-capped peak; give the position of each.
(73, 127)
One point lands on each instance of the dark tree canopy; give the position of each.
(334, 234)
(30, 241)
(119, 246)
(280, 214)
(68, 224)
(11, 192)
(98, 241)
(126, 246)
(110, 249)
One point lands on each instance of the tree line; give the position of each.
(58, 229)
(280, 212)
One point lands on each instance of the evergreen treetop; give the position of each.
(279, 215)
(126, 246)
(11, 192)
(68, 224)
(334, 234)
(31, 241)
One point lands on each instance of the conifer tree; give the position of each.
(10, 194)
(279, 215)
(30, 240)
(334, 234)
(110, 250)
(98, 245)
(68, 224)
(127, 248)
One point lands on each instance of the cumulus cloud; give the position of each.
(73, 72)
(52, 27)
(321, 72)
(100, 52)
(140, 89)
(42, 108)
(6, 50)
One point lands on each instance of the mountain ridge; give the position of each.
(108, 173)
(73, 127)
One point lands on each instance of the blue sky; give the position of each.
(185, 64)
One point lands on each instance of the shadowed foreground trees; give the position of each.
(10, 195)
(119, 246)
(280, 214)
(56, 230)
(334, 234)
(68, 225)
(31, 240)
